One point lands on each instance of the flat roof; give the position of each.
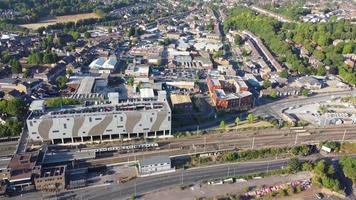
(147, 93)
(86, 85)
(21, 166)
(52, 171)
(180, 98)
(155, 160)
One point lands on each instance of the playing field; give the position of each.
(60, 19)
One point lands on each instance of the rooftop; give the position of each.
(155, 160)
(128, 105)
(21, 166)
(180, 98)
(52, 171)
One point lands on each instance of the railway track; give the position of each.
(269, 140)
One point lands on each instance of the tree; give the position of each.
(284, 74)
(109, 30)
(35, 58)
(348, 48)
(130, 81)
(294, 165)
(75, 35)
(218, 54)
(250, 118)
(238, 39)
(131, 31)
(222, 125)
(16, 67)
(61, 82)
(87, 35)
(16, 107)
(348, 165)
(132, 197)
(321, 71)
(237, 120)
(305, 92)
(273, 94)
(267, 84)
(26, 73)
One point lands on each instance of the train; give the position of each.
(123, 147)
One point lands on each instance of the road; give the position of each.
(275, 108)
(272, 14)
(141, 186)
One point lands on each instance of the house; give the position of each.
(49, 74)
(155, 165)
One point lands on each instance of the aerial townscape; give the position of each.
(178, 99)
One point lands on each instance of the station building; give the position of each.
(124, 119)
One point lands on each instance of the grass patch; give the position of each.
(60, 19)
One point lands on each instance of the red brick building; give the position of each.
(230, 94)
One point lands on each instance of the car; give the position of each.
(319, 195)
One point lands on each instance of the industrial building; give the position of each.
(124, 119)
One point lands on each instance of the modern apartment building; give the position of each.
(128, 119)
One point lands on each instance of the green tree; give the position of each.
(16, 67)
(348, 165)
(237, 121)
(131, 32)
(26, 73)
(294, 165)
(348, 48)
(61, 82)
(75, 35)
(218, 54)
(238, 39)
(267, 84)
(250, 118)
(284, 74)
(321, 71)
(273, 94)
(305, 92)
(222, 125)
(16, 107)
(87, 35)
(132, 197)
(109, 30)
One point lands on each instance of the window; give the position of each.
(31, 124)
(64, 134)
(151, 119)
(120, 126)
(97, 118)
(108, 130)
(90, 120)
(121, 118)
(33, 133)
(55, 131)
(65, 126)
(169, 118)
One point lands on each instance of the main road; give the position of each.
(275, 108)
(141, 186)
